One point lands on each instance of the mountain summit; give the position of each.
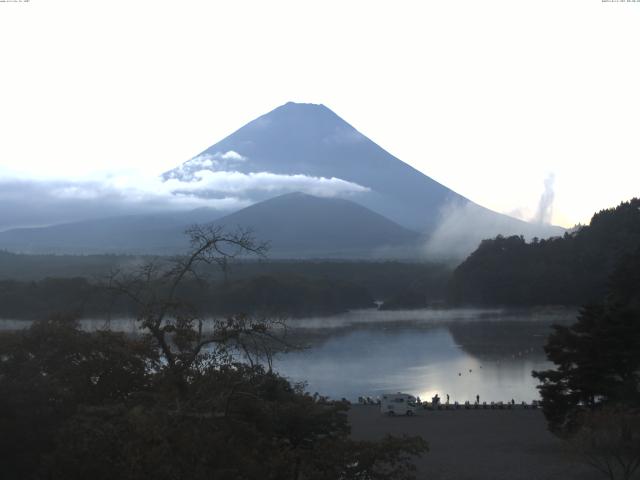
(311, 140)
(307, 147)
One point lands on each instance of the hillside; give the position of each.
(299, 225)
(161, 233)
(571, 270)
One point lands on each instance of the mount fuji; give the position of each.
(313, 143)
(309, 146)
(308, 150)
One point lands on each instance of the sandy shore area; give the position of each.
(477, 444)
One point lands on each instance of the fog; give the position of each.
(357, 318)
(463, 226)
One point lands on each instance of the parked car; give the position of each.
(398, 404)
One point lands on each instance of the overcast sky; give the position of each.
(491, 98)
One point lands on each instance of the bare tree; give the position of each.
(174, 324)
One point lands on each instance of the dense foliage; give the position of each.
(597, 359)
(380, 278)
(292, 296)
(77, 405)
(25, 267)
(569, 270)
(425, 289)
(179, 401)
(34, 286)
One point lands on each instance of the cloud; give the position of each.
(28, 202)
(232, 155)
(219, 161)
(38, 203)
(204, 181)
(219, 172)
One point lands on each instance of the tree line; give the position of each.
(568, 270)
(291, 296)
(33, 286)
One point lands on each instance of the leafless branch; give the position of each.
(153, 290)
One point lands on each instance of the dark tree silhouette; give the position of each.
(597, 359)
(183, 400)
(568, 270)
(592, 397)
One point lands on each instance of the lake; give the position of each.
(460, 352)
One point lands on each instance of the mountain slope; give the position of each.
(305, 148)
(307, 139)
(159, 233)
(299, 225)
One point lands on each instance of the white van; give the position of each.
(398, 404)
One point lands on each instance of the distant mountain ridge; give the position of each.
(296, 225)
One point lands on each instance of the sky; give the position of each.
(505, 102)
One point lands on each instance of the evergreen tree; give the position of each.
(568, 270)
(598, 358)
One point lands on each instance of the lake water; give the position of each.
(460, 352)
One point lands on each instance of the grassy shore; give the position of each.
(477, 444)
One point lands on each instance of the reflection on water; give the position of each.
(419, 361)
(460, 352)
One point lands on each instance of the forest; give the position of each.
(34, 286)
(568, 270)
(291, 296)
